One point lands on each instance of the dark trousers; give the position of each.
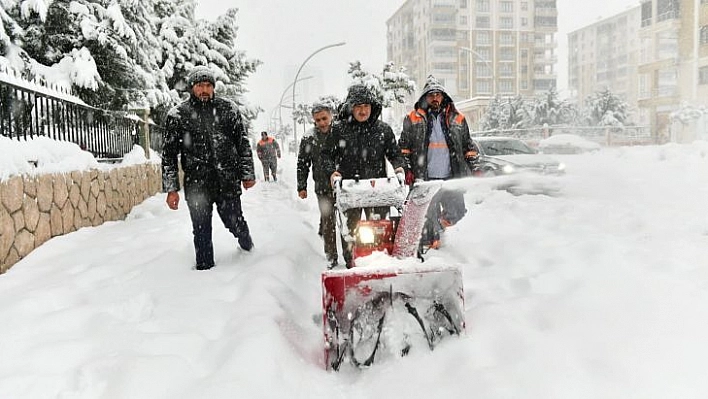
(328, 225)
(353, 216)
(270, 166)
(201, 205)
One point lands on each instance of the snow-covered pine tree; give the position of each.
(494, 117)
(604, 108)
(393, 85)
(516, 113)
(122, 53)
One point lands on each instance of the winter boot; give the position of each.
(203, 267)
(245, 242)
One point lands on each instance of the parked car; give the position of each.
(567, 144)
(507, 155)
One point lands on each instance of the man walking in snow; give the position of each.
(268, 152)
(436, 145)
(207, 133)
(310, 155)
(360, 145)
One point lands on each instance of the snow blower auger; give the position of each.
(391, 305)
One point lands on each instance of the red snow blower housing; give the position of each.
(389, 306)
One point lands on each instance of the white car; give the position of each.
(567, 144)
(507, 155)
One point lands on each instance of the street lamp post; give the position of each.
(282, 97)
(486, 61)
(298, 74)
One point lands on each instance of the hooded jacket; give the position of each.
(310, 154)
(213, 146)
(267, 149)
(361, 148)
(415, 136)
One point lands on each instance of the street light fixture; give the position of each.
(298, 74)
(486, 61)
(282, 96)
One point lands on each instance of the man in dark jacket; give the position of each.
(207, 133)
(310, 155)
(360, 145)
(436, 145)
(268, 152)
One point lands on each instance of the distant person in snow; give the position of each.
(310, 155)
(268, 152)
(359, 146)
(436, 145)
(207, 133)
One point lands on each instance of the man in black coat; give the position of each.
(436, 145)
(359, 146)
(207, 134)
(310, 155)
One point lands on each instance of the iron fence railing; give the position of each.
(29, 109)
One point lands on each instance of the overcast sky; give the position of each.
(283, 34)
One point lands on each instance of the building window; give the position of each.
(506, 86)
(443, 19)
(506, 6)
(444, 67)
(484, 53)
(667, 9)
(482, 22)
(482, 5)
(463, 3)
(646, 13)
(463, 19)
(483, 39)
(524, 6)
(443, 52)
(703, 74)
(506, 54)
(483, 86)
(506, 38)
(524, 21)
(506, 22)
(506, 70)
(482, 69)
(704, 34)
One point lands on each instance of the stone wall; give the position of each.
(34, 209)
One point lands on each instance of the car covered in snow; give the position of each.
(567, 144)
(507, 155)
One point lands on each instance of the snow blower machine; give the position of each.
(389, 304)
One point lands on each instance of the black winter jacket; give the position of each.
(415, 138)
(361, 148)
(310, 154)
(212, 144)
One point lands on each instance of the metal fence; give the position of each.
(606, 136)
(31, 109)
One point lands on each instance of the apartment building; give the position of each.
(673, 65)
(603, 55)
(477, 48)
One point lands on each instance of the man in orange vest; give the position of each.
(436, 145)
(268, 152)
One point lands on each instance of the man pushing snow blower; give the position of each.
(372, 312)
(359, 146)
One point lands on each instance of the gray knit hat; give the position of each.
(432, 85)
(200, 74)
